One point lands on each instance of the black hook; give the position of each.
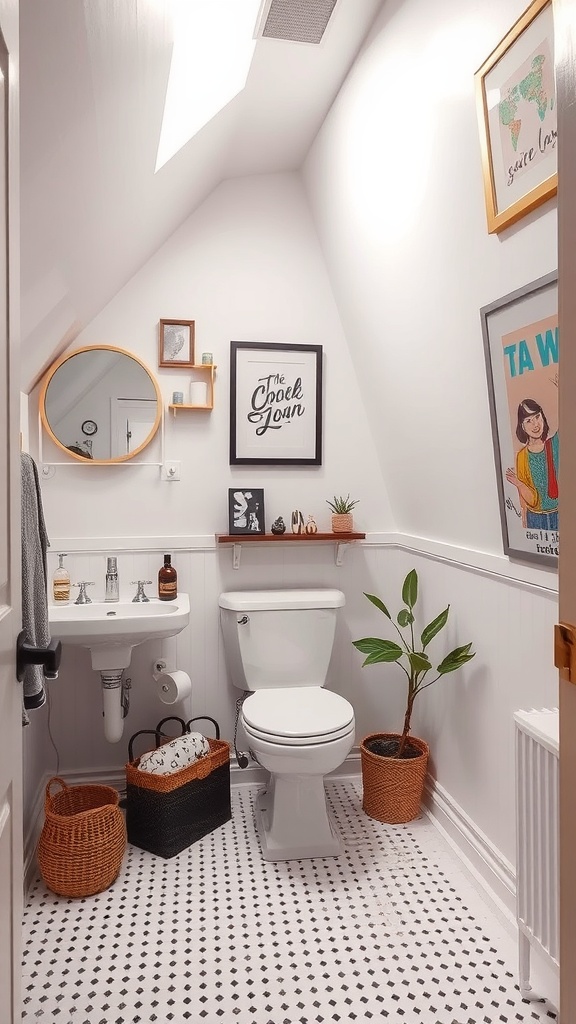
(28, 654)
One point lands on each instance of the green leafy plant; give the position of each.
(410, 655)
(342, 506)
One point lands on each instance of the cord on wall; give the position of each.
(241, 757)
(49, 702)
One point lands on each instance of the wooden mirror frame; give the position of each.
(42, 405)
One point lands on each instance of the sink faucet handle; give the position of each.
(140, 595)
(82, 595)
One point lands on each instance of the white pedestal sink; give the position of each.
(110, 630)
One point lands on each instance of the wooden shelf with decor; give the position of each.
(341, 540)
(207, 372)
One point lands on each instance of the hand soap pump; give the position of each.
(61, 583)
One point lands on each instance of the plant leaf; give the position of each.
(378, 650)
(378, 603)
(419, 662)
(434, 627)
(455, 659)
(405, 617)
(410, 589)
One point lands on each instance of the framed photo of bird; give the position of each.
(176, 343)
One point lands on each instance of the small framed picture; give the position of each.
(517, 116)
(176, 343)
(246, 510)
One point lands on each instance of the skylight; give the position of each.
(211, 57)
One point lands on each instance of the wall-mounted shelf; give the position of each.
(200, 370)
(341, 541)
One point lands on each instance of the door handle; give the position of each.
(28, 654)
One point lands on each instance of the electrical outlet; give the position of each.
(171, 471)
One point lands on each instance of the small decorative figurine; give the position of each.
(311, 525)
(297, 521)
(279, 526)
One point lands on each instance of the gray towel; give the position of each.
(34, 582)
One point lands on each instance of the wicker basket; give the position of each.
(392, 786)
(167, 813)
(83, 839)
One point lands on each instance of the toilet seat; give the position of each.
(297, 715)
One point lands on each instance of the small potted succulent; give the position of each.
(394, 764)
(342, 518)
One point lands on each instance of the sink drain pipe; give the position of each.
(114, 703)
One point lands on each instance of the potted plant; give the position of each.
(342, 518)
(394, 764)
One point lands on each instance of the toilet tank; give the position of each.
(275, 638)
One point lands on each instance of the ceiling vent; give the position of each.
(298, 21)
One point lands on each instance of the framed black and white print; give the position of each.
(246, 510)
(275, 404)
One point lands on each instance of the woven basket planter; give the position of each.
(392, 786)
(342, 522)
(83, 839)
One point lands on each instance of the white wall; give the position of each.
(395, 186)
(246, 267)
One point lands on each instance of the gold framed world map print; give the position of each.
(516, 104)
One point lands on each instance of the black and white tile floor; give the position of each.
(392, 930)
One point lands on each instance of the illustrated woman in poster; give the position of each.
(536, 472)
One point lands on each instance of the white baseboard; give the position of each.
(483, 860)
(254, 775)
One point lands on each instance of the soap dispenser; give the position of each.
(167, 581)
(61, 583)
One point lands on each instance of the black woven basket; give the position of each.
(167, 813)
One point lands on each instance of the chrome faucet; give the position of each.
(140, 595)
(112, 585)
(82, 595)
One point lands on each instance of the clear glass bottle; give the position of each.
(61, 583)
(167, 581)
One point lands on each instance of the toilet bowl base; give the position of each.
(290, 829)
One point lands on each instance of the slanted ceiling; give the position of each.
(93, 82)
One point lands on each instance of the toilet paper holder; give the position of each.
(171, 687)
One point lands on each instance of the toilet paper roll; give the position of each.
(173, 686)
(198, 392)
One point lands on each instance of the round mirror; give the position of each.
(100, 404)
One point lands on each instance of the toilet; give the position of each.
(278, 645)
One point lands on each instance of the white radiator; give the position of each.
(537, 882)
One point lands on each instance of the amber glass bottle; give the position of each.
(167, 581)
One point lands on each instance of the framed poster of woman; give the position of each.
(521, 349)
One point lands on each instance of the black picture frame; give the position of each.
(275, 404)
(246, 510)
(520, 333)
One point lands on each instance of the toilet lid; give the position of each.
(297, 711)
